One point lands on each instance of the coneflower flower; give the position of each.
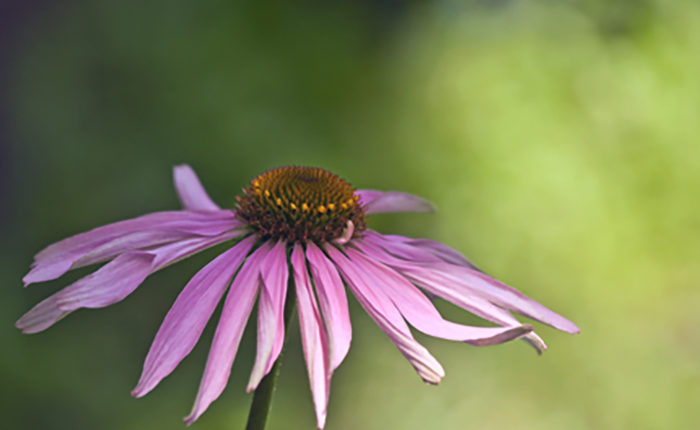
(301, 227)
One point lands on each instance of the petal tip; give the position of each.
(433, 379)
(139, 391)
(568, 327)
(506, 335)
(190, 419)
(190, 190)
(535, 342)
(321, 422)
(19, 324)
(429, 207)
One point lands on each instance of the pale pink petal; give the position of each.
(110, 284)
(472, 281)
(401, 249)
(129, 242)
(150, 241)
(97, 289)
(190, 190)
(138, 233)
(381, 309)
(188, 221)
(442, 251)
(374, 201)
(234, 316)
(177, 251)
(313, 336)
(439, 285)
(420, 312)
(275, 275)
(422, 249)
(333, 301)
(47, 271)
(188, 316)
(42, 316)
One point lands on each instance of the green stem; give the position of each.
(262, 399)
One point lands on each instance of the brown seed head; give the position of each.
(299, 204)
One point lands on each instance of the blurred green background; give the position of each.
(559, 141)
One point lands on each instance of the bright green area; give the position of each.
(559, 141)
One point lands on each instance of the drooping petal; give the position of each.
(234, 316)
(475, 282)
(426, 249)
(110, 240)
(110, 284)
(421, 313)
(275, 275)
(186, 221)
(190, 190)
(178, 251)
(401, 249)
(313, 336)
(439, 285)
(42, 316)
(381, 309)
(147, 241)
(333, 301)
(97, 289)
(129, 242)
(375, 201)
(48, 270)
(184, 323)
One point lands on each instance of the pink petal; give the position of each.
(41, 316)
(401, 249)
(381, 309)
(234, 315)
(313, 336)
(177, 251)
(333, 301)
(187, 221)
(471, 281)
(429, 250)
(110, 284)
(129, 242)
(442, 251)
(190, 190)
(392, 201)
(439, 285)
(421, 313)
(188, 316)
(138, 233)
(275, 275)
(98, 289)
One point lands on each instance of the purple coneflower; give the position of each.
(301, 227)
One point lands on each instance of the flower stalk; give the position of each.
(262, 398)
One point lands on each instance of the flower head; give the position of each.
(299, 224)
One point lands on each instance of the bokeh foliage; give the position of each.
(559, 141)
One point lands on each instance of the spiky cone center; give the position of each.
(300, 204)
